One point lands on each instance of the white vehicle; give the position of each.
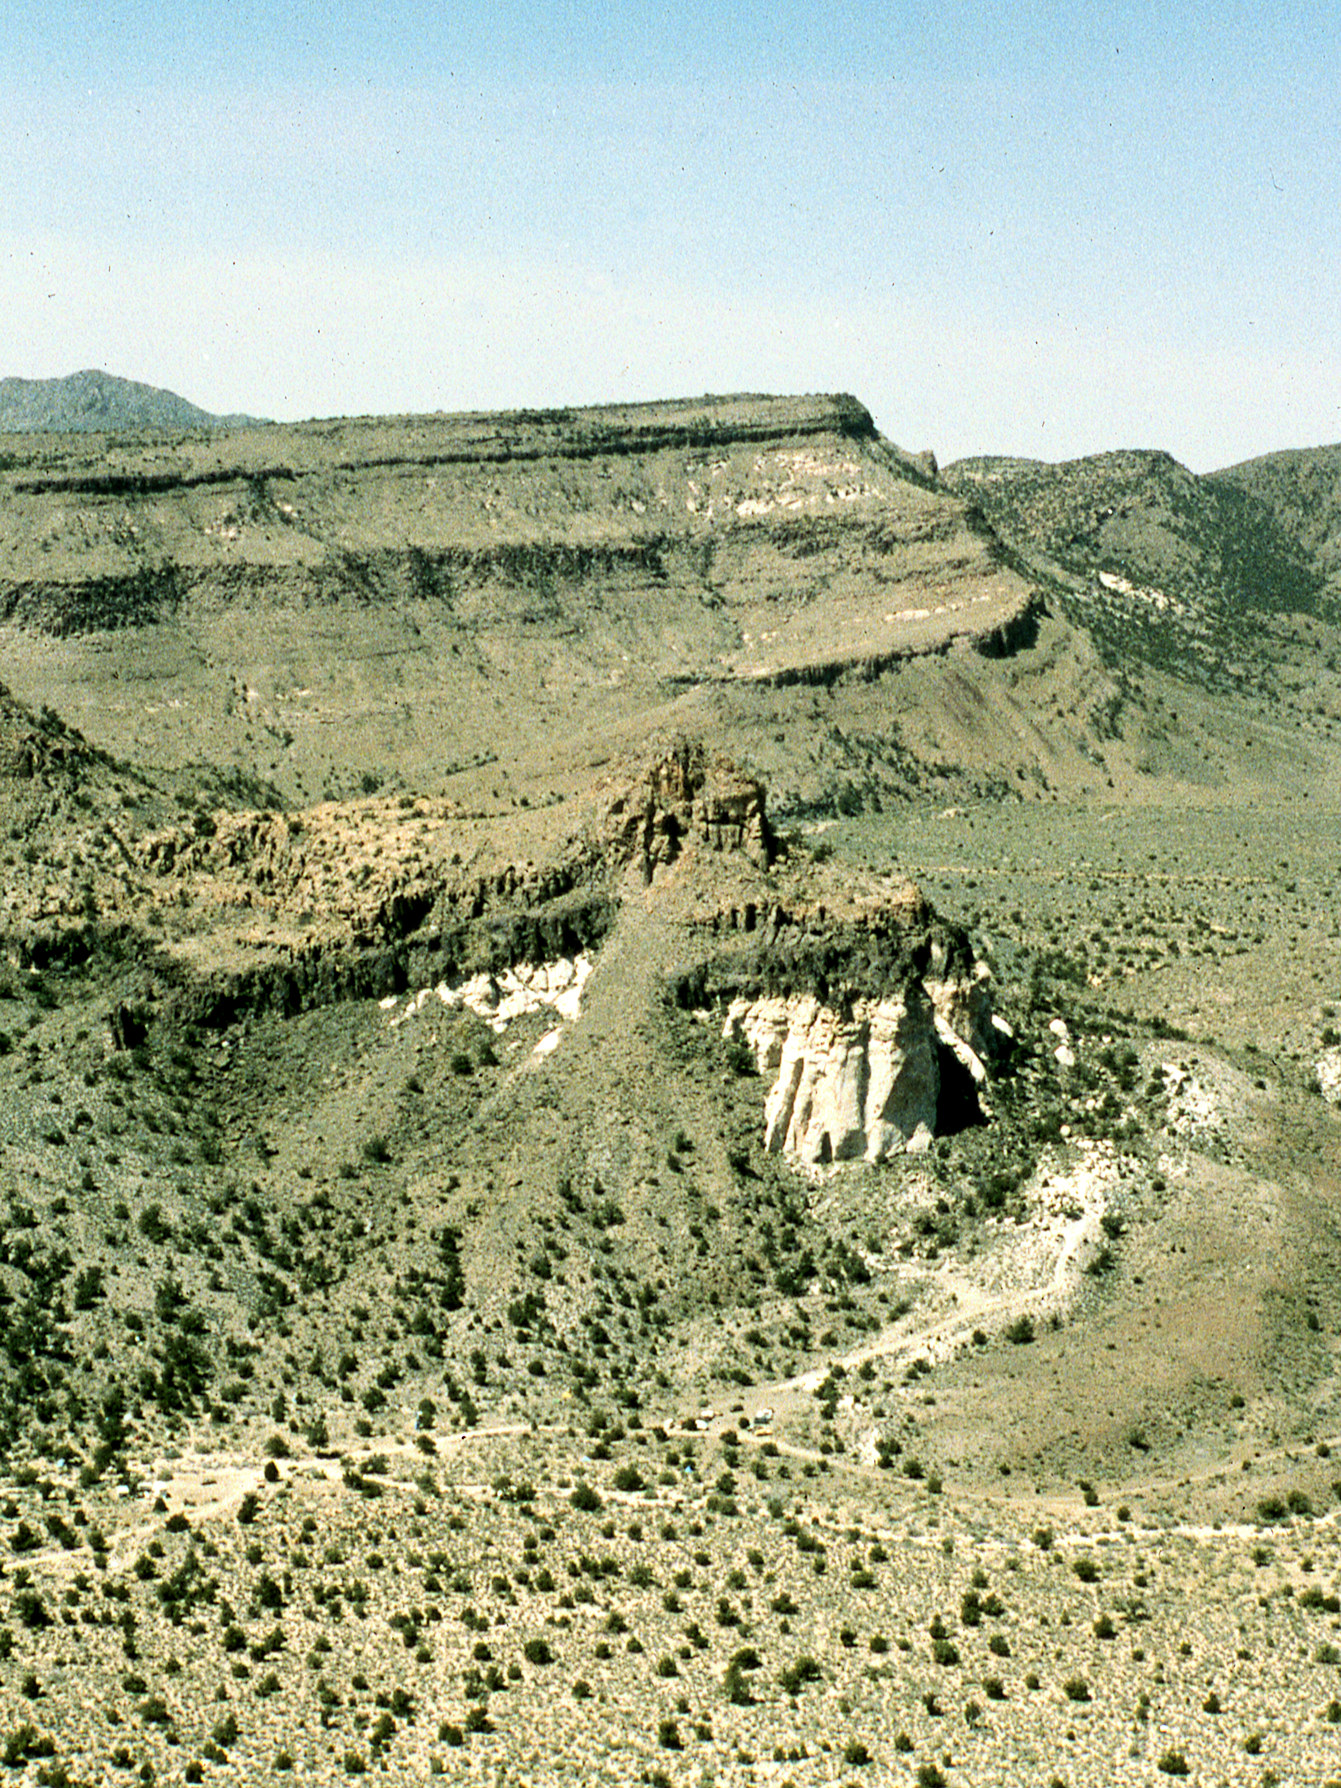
(762, 1417)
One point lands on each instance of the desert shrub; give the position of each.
(153, 1225)
(738, 1690)
(795, 1675)
(30, 1610)
(1172, 1763)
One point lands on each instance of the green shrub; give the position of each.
(795, 1676)
(225, 1731)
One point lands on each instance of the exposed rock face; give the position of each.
(845, 1087)
(878, 1077)
(874, 1032)
(1329, 1075)
(687, 795)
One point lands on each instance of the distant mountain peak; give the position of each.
(93, 400)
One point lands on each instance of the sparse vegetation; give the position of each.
(388, 1384)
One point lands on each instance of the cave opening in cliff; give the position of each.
(957, 1103)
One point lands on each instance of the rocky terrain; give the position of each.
(668, 1107)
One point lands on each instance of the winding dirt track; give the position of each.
(211, 1487)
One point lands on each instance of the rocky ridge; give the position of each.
(450, 594)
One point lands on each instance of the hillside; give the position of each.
(346, 603)
(1300, 490)
(1221, 540)
(86, 402)
(669, 1106)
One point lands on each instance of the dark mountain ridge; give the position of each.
(1249, 538)
(93, 401)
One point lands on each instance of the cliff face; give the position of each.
(441, 592)
(871, 1025)
(844, 1086)
(875, 1078)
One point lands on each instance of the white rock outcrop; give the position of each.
(860, 1084)
(1329, 1075)
(498, 999)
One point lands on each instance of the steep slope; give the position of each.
(1211, 600)
(447, 595)
(1142, 516)
(1302, 492)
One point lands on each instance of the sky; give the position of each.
(1048, 228)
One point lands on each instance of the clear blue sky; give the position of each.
(1047, 229)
